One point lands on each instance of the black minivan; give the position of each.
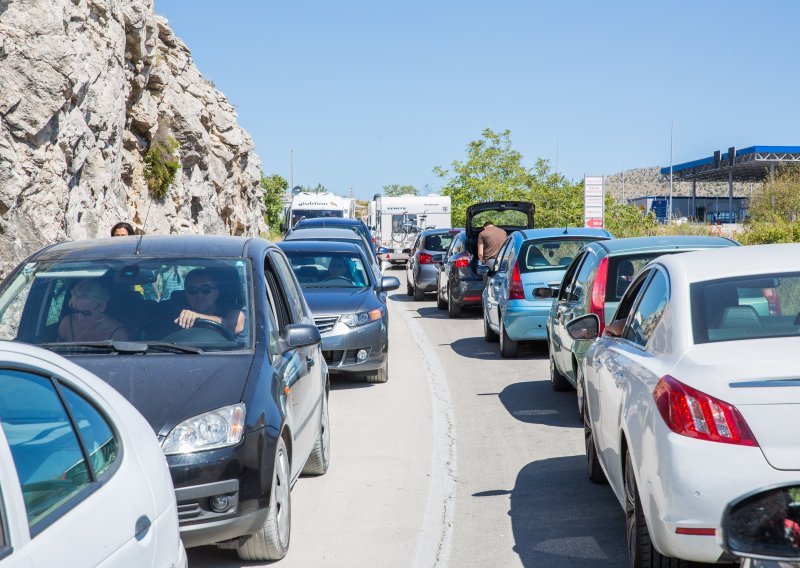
(211, 340)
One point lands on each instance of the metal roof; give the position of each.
(748, 164)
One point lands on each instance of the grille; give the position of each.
(325, 323)
(333, 357)
(188, 511)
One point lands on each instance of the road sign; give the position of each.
(659, 207)
(593, 202)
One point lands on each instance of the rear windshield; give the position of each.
(300, 214)
(328, 270)
(502, 219)
(751, 307)
(438, 243)
(555, 254)
(622, 269)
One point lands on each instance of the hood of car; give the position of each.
(169, 388)
(333, 301)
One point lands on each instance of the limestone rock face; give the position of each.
(86, 86)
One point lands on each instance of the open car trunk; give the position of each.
(508, 215)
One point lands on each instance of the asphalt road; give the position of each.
(462, 459)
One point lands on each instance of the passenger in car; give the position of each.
(202, 294)
(89, 320)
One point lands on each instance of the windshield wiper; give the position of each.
(109, 345)
(174, 347)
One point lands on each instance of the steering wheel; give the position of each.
(214, 326)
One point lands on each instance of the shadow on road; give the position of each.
(400, 297)
(344, 382)
(478, 348)
(536, 403)
(431, 313)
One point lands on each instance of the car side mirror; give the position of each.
(584, 327)
(764, 525)
(482, 270)
(301, 335)
(406, 251)
(383, 250)
(614, 329)
(389, 283)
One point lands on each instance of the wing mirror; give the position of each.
(406, 251)
(764, 525)
(301, 335)
(584, 327)
(383, 250)
(482, 270)
(389, 283)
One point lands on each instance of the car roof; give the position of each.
(563, 232)
(441, 231)
(320, 234)
(319, 246)
(665, 243)
(702, 265)
(167, 246)
(330, 222)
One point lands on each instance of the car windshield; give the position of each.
(328, 270)
(169, 304)
(747, 307)
(552, 254)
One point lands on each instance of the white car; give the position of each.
(83, 480)
(693, 394)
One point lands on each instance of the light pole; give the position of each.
(671, 128)
(291, 159)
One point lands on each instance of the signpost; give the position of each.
(593, 202)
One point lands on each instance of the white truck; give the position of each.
(307, 205)
(396, 221)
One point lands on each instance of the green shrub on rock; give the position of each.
(160, 167)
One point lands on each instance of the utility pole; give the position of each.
(556, 160)
(291, 158)
(671, 128)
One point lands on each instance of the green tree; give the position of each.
(319, 189)
(394, 190)
(274, 187)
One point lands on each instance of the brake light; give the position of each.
(424, 258)
(597, 301)
(692, 413)
(461, 262)
(515, 291)
(771, 296)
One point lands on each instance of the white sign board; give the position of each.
(593, 198)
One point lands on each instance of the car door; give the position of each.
(573, 307)
(493, 288)
(412, 261)
(557, 309)
(627, 371)
(456, 248)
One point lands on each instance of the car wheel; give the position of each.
(440, 303)
(641, 552)
(453, 309)
(489, 334)
(409, 289)
(319, 460)
(383, 373)
(593, 469)
(271, 542)
(557, 381)
(419, 294)
(508, 347)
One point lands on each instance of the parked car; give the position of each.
(427, 254)
(348, 301)
(211, 340)
(519, 290)
(342, 235)
(458, 283)
(84, 481)
(594, 283)
(356, 225)
(691, 395)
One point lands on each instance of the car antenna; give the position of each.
(566, 226)
(141, 235)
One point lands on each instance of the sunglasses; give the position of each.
(204, 289)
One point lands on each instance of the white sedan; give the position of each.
(693, 394)
(83, 480)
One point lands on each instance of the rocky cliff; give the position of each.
(86, 86)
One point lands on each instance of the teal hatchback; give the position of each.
(520, 286)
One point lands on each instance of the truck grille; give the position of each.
(325, 323)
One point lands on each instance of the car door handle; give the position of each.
(309, 362)
(143, 525)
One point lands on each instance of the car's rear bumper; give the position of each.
(341, 345)
(468, 292)
(426, 277)
(526, 321)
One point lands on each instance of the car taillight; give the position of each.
(771, 296)
(692, 413)
(515, 291)
(461, 262)
(597, 301)
(424, 258)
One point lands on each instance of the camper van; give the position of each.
(396, 221)
(306, 205)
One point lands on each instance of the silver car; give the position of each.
(426, 255)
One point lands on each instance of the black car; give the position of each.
(458, 283)
(211, 340)
(356, 225)
(348, 300)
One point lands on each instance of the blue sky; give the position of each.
(380, 92)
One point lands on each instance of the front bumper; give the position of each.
(341, 344)
(526, 320)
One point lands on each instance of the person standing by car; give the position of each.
(490, 240)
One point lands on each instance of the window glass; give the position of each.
(580, 288)
(569, 277)
(45, 448)
(98, 438)
(438, 242)
(272, 315)
(552, 254)
(293, 295)
(627, 301)
(648, 312)
(458, 244)
(507, 255)
(299, 214)
(510, 218)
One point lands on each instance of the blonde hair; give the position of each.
(90, 289)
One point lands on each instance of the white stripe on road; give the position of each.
(436, 533)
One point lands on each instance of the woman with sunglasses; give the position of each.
(88, 320)
(202, 294)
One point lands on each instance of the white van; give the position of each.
(397, 220)
(307, 205)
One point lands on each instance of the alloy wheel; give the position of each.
(282, 503)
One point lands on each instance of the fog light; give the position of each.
(220, 503)
(361, 355)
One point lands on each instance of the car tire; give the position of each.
(453, 308)
(271, 542)
(440, 303)
(419, 294)
(593, 468)
(383, 373)
(508, 347)
(409, 289)
(489, 334)
(641, 552)
(558, 382)
(320, 458)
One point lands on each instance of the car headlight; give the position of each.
(361, 318)
(209, 431)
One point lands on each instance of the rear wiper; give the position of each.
(174, 347)
(109, 345)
